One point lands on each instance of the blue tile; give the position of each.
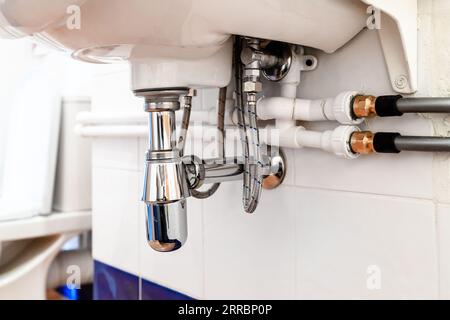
(153, 291)
(114, 284)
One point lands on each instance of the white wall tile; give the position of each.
(443, 229)
(388, 174)
(407, 174)
(249, 256)
(181, 270)
(289, 179)
(340, 234)
(115, 218)
(116, 153)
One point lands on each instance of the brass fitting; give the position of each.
(364, 106)
(362, 142)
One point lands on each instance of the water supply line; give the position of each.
(248, 84)
(366, 106)
(349, 107)
(367, 142)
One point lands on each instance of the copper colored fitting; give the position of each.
(362, 142)
(364, 106)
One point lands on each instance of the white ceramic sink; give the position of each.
(178, 37)
(324, 24)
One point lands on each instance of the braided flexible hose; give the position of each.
(249, 133)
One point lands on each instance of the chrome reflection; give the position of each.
(166, 226)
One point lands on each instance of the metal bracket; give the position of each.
(398, 35)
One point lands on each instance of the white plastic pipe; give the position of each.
(133, 118)
(288, 108)
(97, 118)
(112, 131)
(335, 141)
(289, 85)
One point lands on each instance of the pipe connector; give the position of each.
(364, 106)
(362, 142)
(338, 141)
(342, 108)
(393, 142)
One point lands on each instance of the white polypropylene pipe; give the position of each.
(335, 141)
(310, 139)
(281, 108)
(133, 131)
(132, 118)
(288, 89)
(98, 118)
(112, 131)
(288, 108)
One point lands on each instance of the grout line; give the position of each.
(203, 252)
(296, 255)
(139, 258)
(140, 288)
(438, 251)
(359, 192)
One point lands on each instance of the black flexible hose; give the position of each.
(393, 142)
(396, 105)
(426, 105)
(428, 144)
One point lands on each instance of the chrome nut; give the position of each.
(252, 73)
(252, 86)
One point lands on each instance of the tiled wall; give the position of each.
(322, 233)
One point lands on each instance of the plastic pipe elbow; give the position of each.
(279, 108)
(338, 109)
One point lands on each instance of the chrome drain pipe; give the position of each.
(165, 184)
(170, 177)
